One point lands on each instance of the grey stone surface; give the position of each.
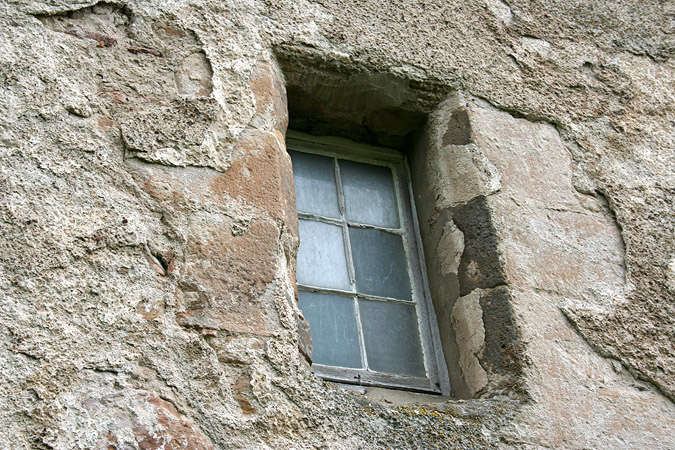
(149, 239)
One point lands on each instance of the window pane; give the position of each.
(380, 263)
(392, 339)
(332, 321)
(315, 188)
(321, 257)
(369, 194)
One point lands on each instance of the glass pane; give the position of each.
(380, 263)
(321, 257)
(369, 194)
(331, 318)
(315, 189)
(392, 338)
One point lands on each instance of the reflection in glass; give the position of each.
(380, 263)
(369, 194)
(315, 188)
(392, 339)
(321, 257)
(333, 326)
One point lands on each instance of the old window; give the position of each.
(360, 278)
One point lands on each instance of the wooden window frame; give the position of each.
(436, 379)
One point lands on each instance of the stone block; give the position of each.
(261, 175)
(269, 91)
(504, 354)
(194, 76)
(480, 265)
(304, 337)
(458, 130)
(578, 398)
(575, 251)
(241, 390)
(232, 273)
(128, 418)
(459, 173)
(530, 157)
(450, 248)
(467, 320)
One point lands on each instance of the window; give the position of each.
(361, 285)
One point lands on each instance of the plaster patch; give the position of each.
(465, 173)
(467, 319)
(450, 248)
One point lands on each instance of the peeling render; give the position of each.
(149, 234)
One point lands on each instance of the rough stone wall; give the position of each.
(149, 234)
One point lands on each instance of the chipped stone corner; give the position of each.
(458, 168)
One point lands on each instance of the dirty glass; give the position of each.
(392, 339)
(354, 249)
(380, 263)
(333, 325)
(315, 188)
(321, 257)
(369, 194)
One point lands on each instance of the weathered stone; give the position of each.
(193, 77)
(261, 176)
(504, 354)
(177, 134)
(459, 129)
(232, 273)
(236, 350)
(241, 388)
(564, 168)
(480, 265)
(270, 97)
(304, 337)
(558, 240)
(589, 404)
(450, 248)
(530, 157)
(370, 107)
(467, 319)
(670, 275)
(128, 418)
(175, 432)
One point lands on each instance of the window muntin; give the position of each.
(361, 289)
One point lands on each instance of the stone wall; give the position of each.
(149, 234)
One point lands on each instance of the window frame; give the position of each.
(436, 380)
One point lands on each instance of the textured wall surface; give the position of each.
(149, 234)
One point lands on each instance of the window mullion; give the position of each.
(377, 298)
(350, 262)
(400, 231)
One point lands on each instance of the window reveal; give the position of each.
(359, 276)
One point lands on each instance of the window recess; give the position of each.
(360, 275)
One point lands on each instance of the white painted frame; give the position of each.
(437, 380)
